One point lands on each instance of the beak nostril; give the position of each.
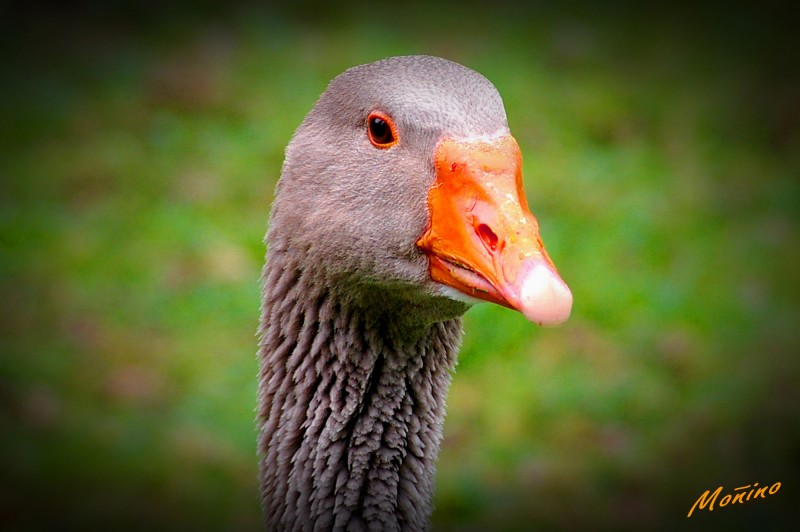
(487, 236)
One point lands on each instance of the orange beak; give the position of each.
(482, 240)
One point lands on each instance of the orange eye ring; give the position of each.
(381, 130)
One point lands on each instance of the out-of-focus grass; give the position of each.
(137, 169)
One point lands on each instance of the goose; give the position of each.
(400, 205)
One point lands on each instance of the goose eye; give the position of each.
(382, 131)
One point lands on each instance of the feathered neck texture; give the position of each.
(352, 395)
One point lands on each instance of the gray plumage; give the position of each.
(357, 346)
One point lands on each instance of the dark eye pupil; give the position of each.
(380, 131)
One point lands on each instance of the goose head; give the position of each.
(405, 175)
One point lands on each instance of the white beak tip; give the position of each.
(544, 298)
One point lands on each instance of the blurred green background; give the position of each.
(139, 148)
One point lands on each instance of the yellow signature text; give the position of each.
(740, 495)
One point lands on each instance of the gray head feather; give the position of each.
(356, 210)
